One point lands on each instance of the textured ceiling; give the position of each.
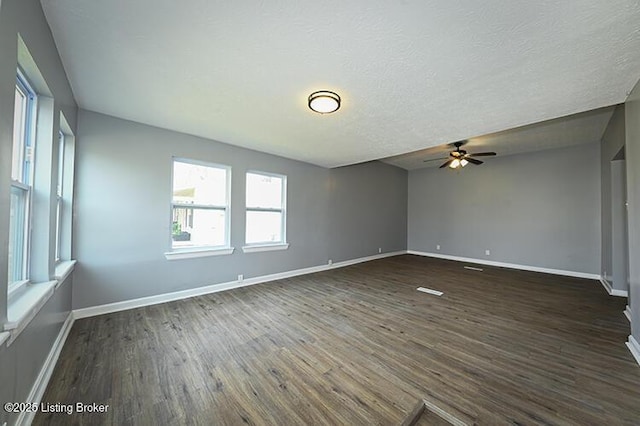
(412, 74)
(583, 128)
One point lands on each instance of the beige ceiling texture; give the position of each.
(412, 74)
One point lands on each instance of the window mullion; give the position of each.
(264, 209)
(198, 206)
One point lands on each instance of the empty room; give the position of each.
(319, 213)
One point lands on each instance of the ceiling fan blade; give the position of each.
(481, 154)
(435, 159)
(474, 161)
(446, 163)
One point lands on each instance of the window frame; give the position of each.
(26, 177)
(60, 196)
(268, 245)
(201, 250)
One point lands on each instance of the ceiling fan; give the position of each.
(460, 158)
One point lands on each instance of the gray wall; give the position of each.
(22, 361)
(632, 113)
(123, 192)
(538, 209)
(368, 210)
(612, 143)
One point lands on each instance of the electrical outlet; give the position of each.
(487, 252)
(330, 262)
(240, 277)
(438, 247)
(379, 249)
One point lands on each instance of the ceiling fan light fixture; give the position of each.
(455, 164)
(463, 162)
(324, 102)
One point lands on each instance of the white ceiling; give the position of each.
(582, 128)
(412, 73)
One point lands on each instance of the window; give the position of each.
(200, 205)
(59, 201)
(266, 200)
(21, 181)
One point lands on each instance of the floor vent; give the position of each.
(473, 268)
(428, 290)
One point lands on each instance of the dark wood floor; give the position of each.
(360, 346)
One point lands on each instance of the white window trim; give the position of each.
(59, 198)
(177, 253)
(64, 268)
(200, 252)
(25, 306)
(28, 151)
(14, 287)
(269, 245)
(255, 248)
(4, 336)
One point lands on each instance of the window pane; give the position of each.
(59, 194)
(194, 227)
(264, 191)
(196, 184)
(19, 123)
(17, 234)
(58, 226)
(264, 227)
(60, 163)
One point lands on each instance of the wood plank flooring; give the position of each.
(359, 346)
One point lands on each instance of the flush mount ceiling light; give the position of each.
(324, 101)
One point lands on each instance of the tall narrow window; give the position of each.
(59, 202)
(21, 181)
(266, 216)
(200, 205)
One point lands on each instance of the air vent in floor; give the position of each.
(428, 290)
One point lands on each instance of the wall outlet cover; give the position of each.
(240, 277)
(487, 252)
(438, 247)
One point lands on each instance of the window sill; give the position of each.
(25, 305)
(190, 254)
(265, 247)
(63, 270)
(4, 337)
(16, 288)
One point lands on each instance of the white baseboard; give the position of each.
(634, 347)
(627, 313)
(612, 292)
(619, 293)
(508, 265)
(40, 385)
(366, 259)
(200, 291)
(606, 284)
